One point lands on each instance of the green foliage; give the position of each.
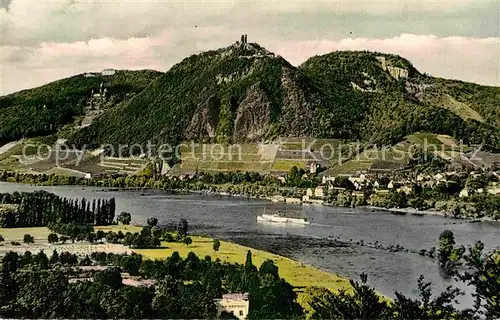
(216, 244)
(28, 239)
(163, 112)
(187, 241)
(182, 228)
(43, 110)
(152, 221)
(202, 96)
(52, 238)
(109, 277)
(124, 218)
(386, 111)
(40, 208)
(147, 238)
(74, 231)
(445, 247)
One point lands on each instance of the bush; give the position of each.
(28, 239)
(53, 238)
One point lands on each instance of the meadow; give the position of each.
(296, 273)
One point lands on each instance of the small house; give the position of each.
(309, 192)
(234, 303)
(319, 192)
(464, 193)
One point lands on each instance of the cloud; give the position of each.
(46, 40)
(463, 58)
(33, 22)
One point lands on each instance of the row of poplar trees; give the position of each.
(37, 209)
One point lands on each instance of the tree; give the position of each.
(248, 262)
(362, 303)
(269, 268)
(482, 272)
(54, 258)
(100, 235)
(294, 177)
(91, 236)
(182, 228)
(10, 262)
(445, 247)
(124, 218)
(187, 241)
(53, 238)
(111, 237)
(41, 260)
(152, 221)
(418, 203)
(156, 232)
(63, 239)
(131, 264)
(1, 238)
(28, 239)
(110, 277)
(167, 303)
(216, 245)
(398, 199)
(441, 307)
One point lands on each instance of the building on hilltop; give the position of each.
(233, 303)
(108, 72)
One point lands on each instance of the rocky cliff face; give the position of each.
(246, 93)
(253, 116)
(396, 72)
(297, 113)
(205, 119)
(234, 94)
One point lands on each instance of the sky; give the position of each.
(42, 40)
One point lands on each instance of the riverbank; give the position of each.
(296, 273)
(415, 212)
(257, 191)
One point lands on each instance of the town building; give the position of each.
(313, 167)
(310, 192)
(464, 193)
(319, 192)
(235, 303)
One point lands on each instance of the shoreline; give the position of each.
(400, 211)
(416, 212)
(297, 273)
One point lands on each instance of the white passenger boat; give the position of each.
(281, 218)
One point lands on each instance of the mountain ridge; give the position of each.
(244, 92)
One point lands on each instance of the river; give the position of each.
(235, 219)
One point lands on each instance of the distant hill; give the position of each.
(244, 93)
(44, 110)
(234, 94)
(383, 98)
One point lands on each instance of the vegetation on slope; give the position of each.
(383, 98)
(44, 110)
(245, 93)
(241, 92)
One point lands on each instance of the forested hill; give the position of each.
(44, 110)
(384, 98)
(241, 92)
(245, 93)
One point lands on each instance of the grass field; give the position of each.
(351, 167)
(294, 272)
(286, 165)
